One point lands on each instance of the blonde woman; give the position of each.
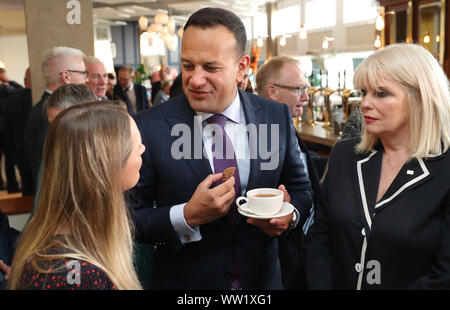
(383, 221)
(80, 235)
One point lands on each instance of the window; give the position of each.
(359, 10)
(286, 20)
(248, 27)
(320, 14)
(260, 25)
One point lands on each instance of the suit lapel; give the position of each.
(413, 173)
(368, 176)
(184, 115)
(253, 115)
(138, 95)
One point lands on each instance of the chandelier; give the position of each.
(164, 27)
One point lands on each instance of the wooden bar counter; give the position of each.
(19, 204)
(316, 134)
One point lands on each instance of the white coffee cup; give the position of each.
(263, 201)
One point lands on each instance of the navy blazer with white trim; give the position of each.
(402, 241)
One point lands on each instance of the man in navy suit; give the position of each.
(134, 95)
(180, 204)
(282, 80)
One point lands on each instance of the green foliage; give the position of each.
(141, 74)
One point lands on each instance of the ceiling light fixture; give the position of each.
(259, 42)
(379, 23)
(161, 18)
(325, 41)
(143, 23)
(302, 34)
(377, 43)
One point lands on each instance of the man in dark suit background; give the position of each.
(61, 65)
(160, 76)
(134, 95)
(180, 204)
(17, 108)
(281, 79)
(8, 88)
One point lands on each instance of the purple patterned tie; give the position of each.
(224, 157)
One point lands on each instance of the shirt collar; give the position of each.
(129, 88)
(232, 112)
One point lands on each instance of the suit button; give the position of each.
(358, 267)
(363, 232)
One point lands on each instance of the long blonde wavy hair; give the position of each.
(85, 149)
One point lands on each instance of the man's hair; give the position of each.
(427, 90)
(111, 76)
(2, 70)
(68, 95)
(51, 73)
(212, 17)
(91, 60)
(270, 72)
(128, 69)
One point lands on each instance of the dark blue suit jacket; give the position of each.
(141, 97)
(165, 181)
(34, 134)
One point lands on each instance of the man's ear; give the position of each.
(271, 92)
(64, 76)
(243, 64)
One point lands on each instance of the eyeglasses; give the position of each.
(300, 90)
(97, 76)
(84, 73)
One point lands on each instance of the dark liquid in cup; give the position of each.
(265, 195)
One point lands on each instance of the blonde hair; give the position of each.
(85, 149)
(427, 89)
(270, 72)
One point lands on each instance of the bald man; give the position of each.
(282, 80)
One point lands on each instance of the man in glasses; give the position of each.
(134, 95)
(98, 76)
(61, 65)
(281, 79)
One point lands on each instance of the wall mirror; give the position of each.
(431, 28)
(399, 25)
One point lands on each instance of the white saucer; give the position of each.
(286, 209)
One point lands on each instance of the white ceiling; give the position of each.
(126, 10)
(111, 11)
